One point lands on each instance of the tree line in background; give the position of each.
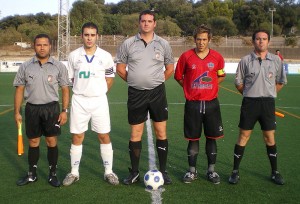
(174, 18)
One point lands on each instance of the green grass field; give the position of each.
(254, 187)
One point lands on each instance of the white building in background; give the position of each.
(23, 44)
(10, 66)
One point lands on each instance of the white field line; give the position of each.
(151, 148)
(155, 195)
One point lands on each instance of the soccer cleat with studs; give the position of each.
(190, 176)
(111, 178)
(134, 176)
(53, 180)
(213, 177)
(70, 179)
(234, 178)
(277, 178)
(29, 178)
(167, 179)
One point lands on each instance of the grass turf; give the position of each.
(254, 187)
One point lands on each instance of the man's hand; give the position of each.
(18, 119)
(63, 118)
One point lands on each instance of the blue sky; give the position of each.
(23, 7)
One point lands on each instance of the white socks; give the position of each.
(106, 153)
(75, 153)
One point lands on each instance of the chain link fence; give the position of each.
(230, 48)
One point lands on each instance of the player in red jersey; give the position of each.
(279, 54)
(199, 71)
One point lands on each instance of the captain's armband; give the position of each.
(221, 73)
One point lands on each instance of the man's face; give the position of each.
(202, 42)
(147, 24)
(261, 42)
(89, 37)
(42, 48)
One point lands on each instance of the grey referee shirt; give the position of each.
(146, 62)
(41, 81)
(259, 77)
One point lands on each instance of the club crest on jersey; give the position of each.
(210, 66)
(202, 82)
(194, 66)
(270, 75)
(157, 55)
(50, 78)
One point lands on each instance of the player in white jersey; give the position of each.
(91, 71)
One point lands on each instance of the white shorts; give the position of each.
(84, 109)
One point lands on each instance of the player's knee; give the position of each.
(104, 138)
(35, 142)
(270, 141)
(77, 139)
(161, 136)
(51, 141)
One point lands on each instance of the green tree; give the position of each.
(199, 17)
(167, 28)
(184, 18)
(288, 18)
(130, 24)
(298, 17)
(112, 24)
(12, 21)
(42, 18)
(222, 26)
(30, 30)
(217, 8)
(82, 12)
(97, 2)
(127, 7)
(249, 16)
(9, 36)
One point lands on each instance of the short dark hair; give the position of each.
(149, 12)
(89, 25)
(277, 50)
(260, 31)
(42, 35)
(202, 29)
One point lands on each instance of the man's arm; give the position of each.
(221, 75)
(169, 71)
(240, 88)
(63, 116)
(221, 79)
(18, 103)
(109, 81)
(278, 87)
(180, 82)
(121, 70)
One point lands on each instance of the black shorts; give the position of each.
(140, 102)
(207, 113)
(258, 109)
(42, 120)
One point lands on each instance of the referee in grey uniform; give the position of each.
(149, 62)
(38, 81)
(259, 76)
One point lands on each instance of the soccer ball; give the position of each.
(153, 180)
